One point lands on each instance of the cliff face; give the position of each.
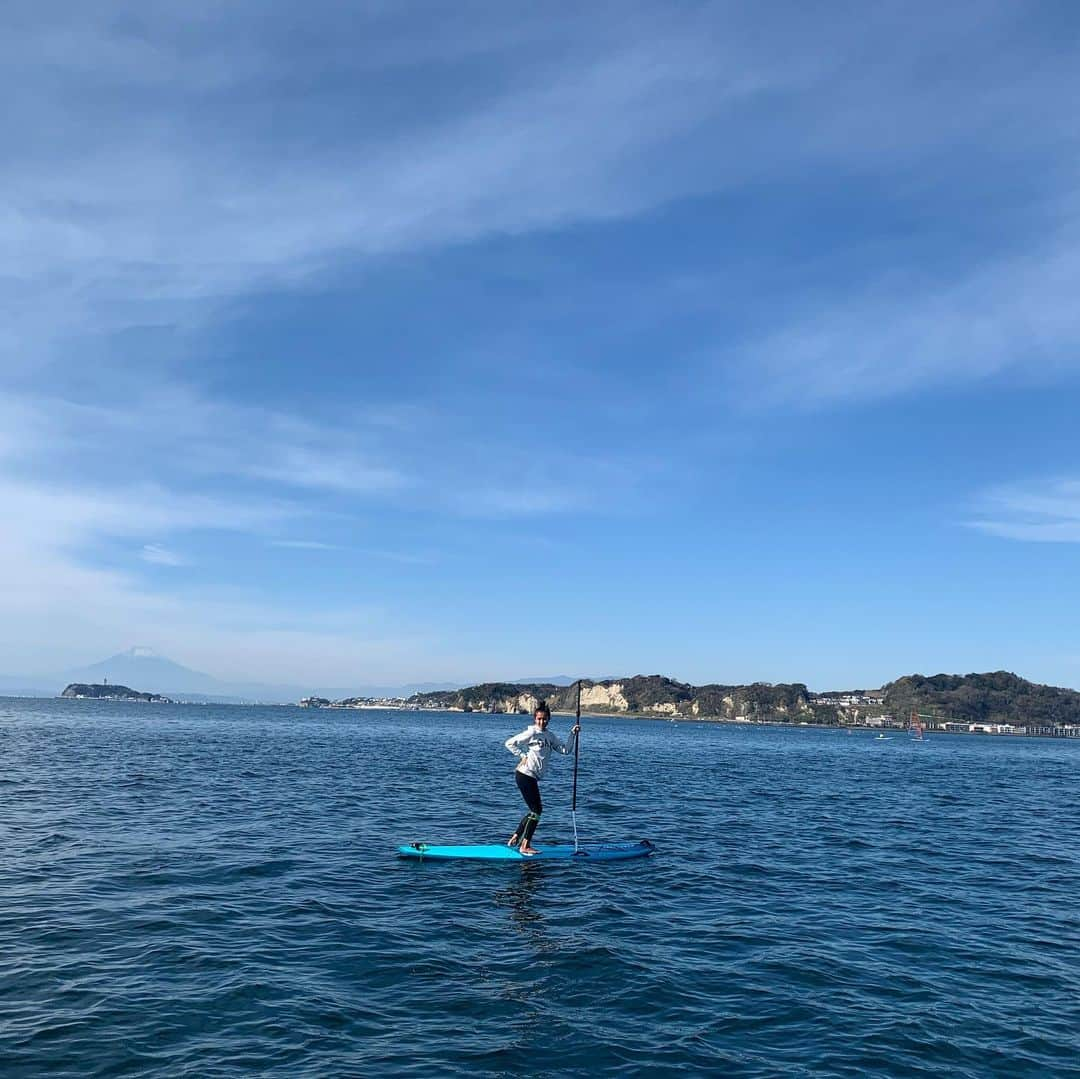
(492, 697)
(640, 695)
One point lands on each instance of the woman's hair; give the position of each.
(542, 707)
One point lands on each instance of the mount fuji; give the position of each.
(141, 666)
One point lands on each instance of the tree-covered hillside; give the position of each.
(996, 697)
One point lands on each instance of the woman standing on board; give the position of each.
(532, 748)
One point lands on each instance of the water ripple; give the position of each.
(200, 891)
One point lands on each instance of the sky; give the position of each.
(375, 342)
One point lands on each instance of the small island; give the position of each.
(81, 691)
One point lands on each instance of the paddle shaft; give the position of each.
(577, 739)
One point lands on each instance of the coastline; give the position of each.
(851, 728)
(890, 732)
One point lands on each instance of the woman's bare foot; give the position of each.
(513, 840)
(527, 850)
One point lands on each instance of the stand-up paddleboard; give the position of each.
(495, 852)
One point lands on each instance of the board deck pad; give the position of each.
(496, 852)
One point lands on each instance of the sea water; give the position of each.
(213, 891)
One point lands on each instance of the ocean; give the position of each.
(213, 891)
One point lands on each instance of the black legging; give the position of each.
(530, 791)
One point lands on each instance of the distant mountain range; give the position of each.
(547, 680)
(144, 669)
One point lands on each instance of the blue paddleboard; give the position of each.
(495, 852)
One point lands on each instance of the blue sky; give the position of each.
(361, 343)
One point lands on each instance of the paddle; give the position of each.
(577, 740)
(573, 806)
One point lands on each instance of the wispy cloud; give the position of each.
(287, 465)
(161, 228)
(522, 501)
(63, 605)
(305, 545)
(203, 438)
(191, 195)
(64, 515)
(157, 555)
(1018, 313)
(405, 558)
(1042, 512)
(325, 469)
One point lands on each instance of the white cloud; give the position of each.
(1047, 511)
(179, 207)
(434, 463)
(157, 555)
(190, 194)
(1019, 313)
(56, 595)
(321, 469)
(49, 528)
(65, 516)
(515, 502)
(170, 422)
(305, 545)
(405, 558)
(59, 609)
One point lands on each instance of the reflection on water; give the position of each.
(522, 900)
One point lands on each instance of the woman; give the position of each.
(532, 748)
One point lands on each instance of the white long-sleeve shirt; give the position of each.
(534, 746)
